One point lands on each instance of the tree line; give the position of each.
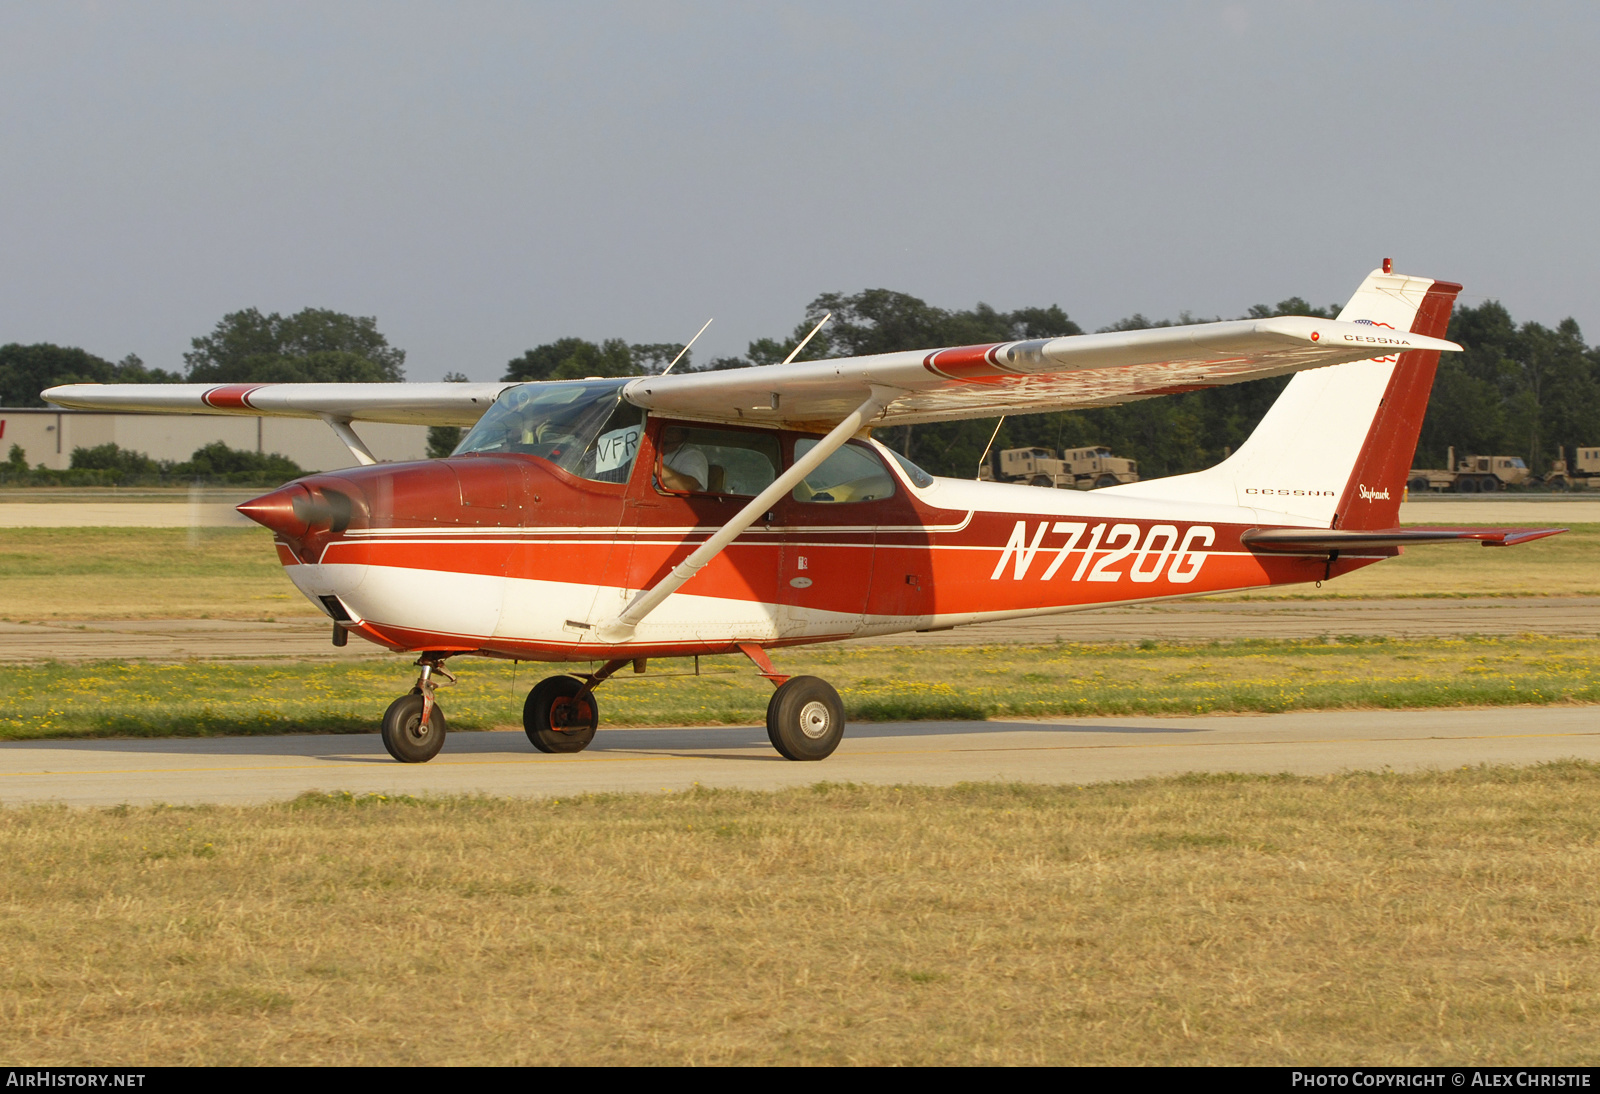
(312, 345)
(1524, 390)
(112, 465)
(1518, 389)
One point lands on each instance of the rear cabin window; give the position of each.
(853, 473)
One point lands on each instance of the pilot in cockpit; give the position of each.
(684, 466)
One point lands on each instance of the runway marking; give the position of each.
(761, 754)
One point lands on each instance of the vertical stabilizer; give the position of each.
(1333, 450)
(1371, 496)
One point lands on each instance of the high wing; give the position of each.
(402, 404)
(1023, 377)
(919, 386)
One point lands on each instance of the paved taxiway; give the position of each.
(1078, 750)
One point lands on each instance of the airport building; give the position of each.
(48, 436)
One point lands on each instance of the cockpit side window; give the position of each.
(716, 461)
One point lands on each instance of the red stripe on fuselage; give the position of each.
(902, 575)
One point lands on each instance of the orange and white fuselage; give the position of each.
(536, 580)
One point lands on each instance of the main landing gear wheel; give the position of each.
(556, 720)
(404, 735)
(805, 719)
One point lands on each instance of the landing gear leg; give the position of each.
(805, 717)
(413, 727)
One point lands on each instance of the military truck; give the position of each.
(1471, 474)
(1582, 470)
(1076, 469)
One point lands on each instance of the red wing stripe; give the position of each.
(231, 396)
(967, 363)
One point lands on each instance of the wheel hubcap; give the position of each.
(569, 717)
(814, 720)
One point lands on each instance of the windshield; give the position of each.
(581, 426)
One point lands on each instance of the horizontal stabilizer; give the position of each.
(1299, 541)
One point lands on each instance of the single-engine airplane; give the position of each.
(619, 520)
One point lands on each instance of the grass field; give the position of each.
(1380, 918)
(143, 573)
(226, 573)
(1563, 565)
(878, 683)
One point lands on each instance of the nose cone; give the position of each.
(285, 510)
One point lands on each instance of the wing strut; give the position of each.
(620, 628)
(357, 447)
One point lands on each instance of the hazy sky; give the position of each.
(487, 177)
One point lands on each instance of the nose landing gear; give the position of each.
(413, 727)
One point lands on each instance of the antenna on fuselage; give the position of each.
(807, 338)
(685, 349)
(983, 459)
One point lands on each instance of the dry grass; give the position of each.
(877, 683)
(1374, 918)
(143, 573)
(226, 573)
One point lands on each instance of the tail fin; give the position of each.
(1333, 450)
(1371, 497)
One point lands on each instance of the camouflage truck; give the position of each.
(1077, 469)
(1582, 470)
(1471, 475)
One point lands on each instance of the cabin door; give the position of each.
(831, 530)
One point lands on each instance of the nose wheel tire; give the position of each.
(556, 720)
(404, 735)
(805, 719)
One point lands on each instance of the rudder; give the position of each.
(1371, 498)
